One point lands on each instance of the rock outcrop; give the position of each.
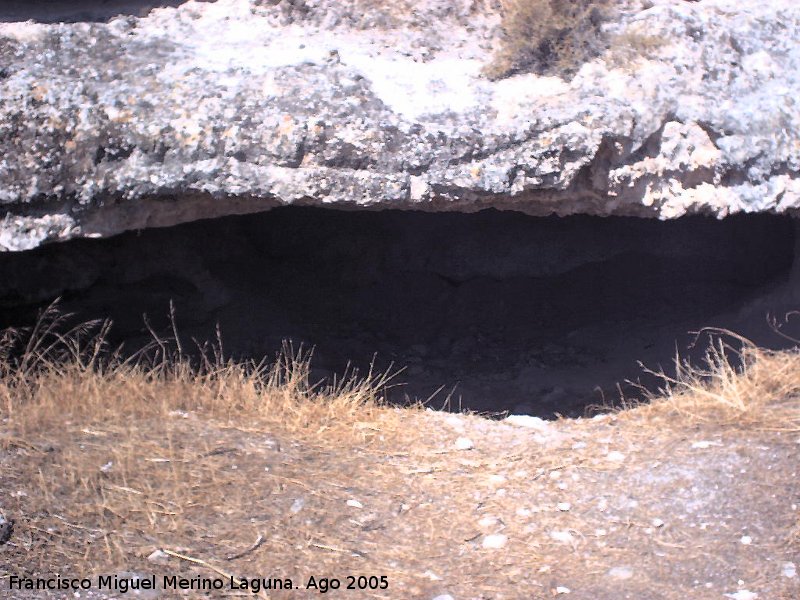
(236, 106)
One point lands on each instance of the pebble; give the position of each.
(562, 536)
(563, 506)
(742, 595)
(297, 505)
(620, 573)
(528, 421)
(488, 522)
(159, 557)
(789, 570)
(746, 540)
(704, 444)
(562, 590)
(615, 456)
(495, 541)
(657, 522)
(464, 443)
(444, 597)
(355, 504)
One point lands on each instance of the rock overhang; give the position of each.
(210, 109)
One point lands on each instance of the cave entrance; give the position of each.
(496, 310)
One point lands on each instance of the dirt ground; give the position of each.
(642, 504)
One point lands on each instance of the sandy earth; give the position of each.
(608, 508)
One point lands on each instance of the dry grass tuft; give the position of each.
(737, 384)
(69, 372)
(549, 36)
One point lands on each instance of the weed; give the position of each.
(550, 37)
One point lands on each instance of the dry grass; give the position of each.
(739, 384)
(549, 36)
(73, 374)
(105, 460)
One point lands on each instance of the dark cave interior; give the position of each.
(498, 311)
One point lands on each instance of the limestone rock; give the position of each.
(204, 109)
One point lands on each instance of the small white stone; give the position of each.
(704, 444)
(495, 541)
(657, 522)
(563, 506)
(107, 467)
(615, 456)
(158, 556)
(562, 590)
(528, 421)
(620, 573)
(496, 479)
(489, 521)
(444, 597)
(789, 570)
(742, 595)
(600, 532)
(464, 443)
(746, 540)
(579, 445)
(432, 576)
(562, 536)
(297, 505)
(355, 504)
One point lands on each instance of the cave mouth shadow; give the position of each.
(489, 312)
(77, 11)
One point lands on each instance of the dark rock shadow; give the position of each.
(75, 11)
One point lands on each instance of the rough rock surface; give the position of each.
(206, 109)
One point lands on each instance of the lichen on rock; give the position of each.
(208, 109)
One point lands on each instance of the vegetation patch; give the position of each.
(152, 467)
(549, 36)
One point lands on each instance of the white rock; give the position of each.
(158, 556)
(562, 590)
(444, 597)
(742, 595)
(746, 540)
(563, 506)
(657, 522)
(355, 504)
(495, 541)
(529, 422)
(789, 570)
(620, 573)
(489, 521)
(562, 536)
(464, 443)
(615, 456)
(703, 444)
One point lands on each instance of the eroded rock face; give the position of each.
(236, 106)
